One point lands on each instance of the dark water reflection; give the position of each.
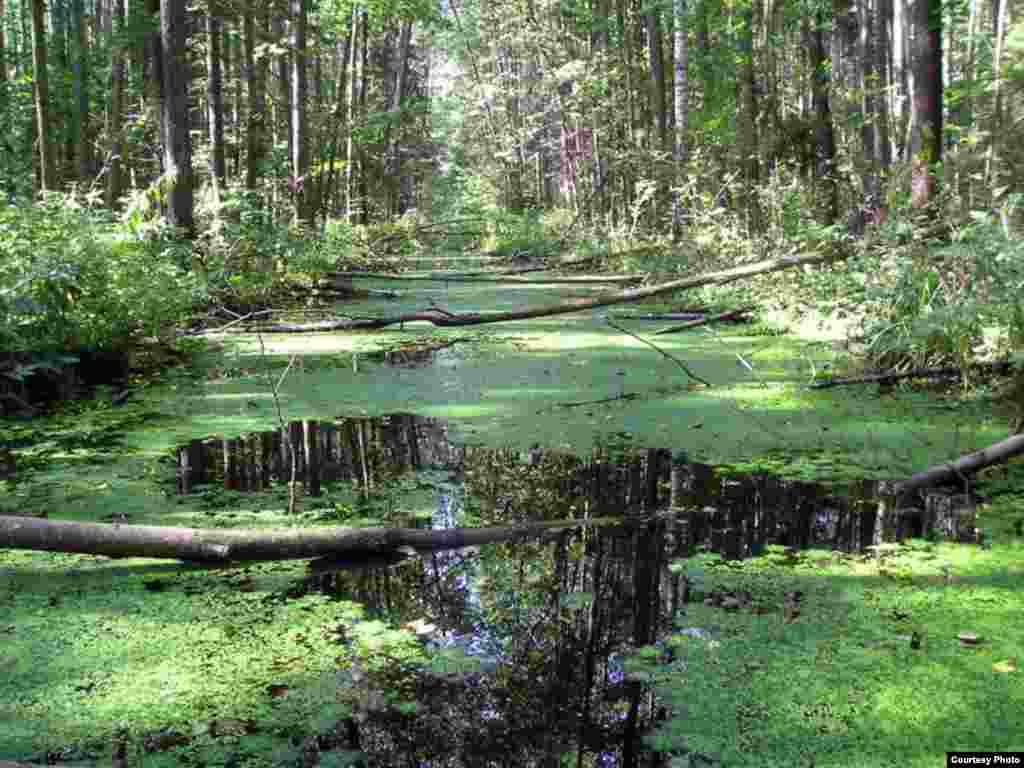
(528, 639)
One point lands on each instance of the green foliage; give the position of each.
(522, 233)
(245, 253)
(952, 304)
(16, 152)
(70, 278)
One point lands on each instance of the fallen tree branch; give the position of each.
(658, 316)
(439, 318)
(223, 546)
(730, 315)
(965, 465)
(663, 353)
(917, 373)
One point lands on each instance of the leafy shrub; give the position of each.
(951, 304)
(70, 279)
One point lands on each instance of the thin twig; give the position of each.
(280, 381)
(285, 435)
(240, 319)
(661, 352)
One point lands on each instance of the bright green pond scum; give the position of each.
(588, 648)
(554, 381)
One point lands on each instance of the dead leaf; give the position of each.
(1005, 667)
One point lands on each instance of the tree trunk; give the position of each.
(824, 137)
(63, 150)
(47, 165)
(846, 69)
(1000, 22)
(153, 71)
(364, 82)
(3, 46)
(393, 164)
(901, 77)
(256, 83)
(80, 136)
(177, 142)
(283, 123)
(868, 101)
(657, 85)
(746, 129)
(300, 95)
(238, 546)
(115, 166)
(681, 31)
(327, 194)
(215, 99)
(351, 209)
(882, 52)
(926, 133)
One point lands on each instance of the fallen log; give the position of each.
(964, 466)
(226, 546)
(441, 317)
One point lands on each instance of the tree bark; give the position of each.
(283, 121)
(657, 84)
(256, 77)
(351, 209)
(222, 546)
(680, 35)
(177, 141)
(215, 98)
(115, 184)
(824, 136)
(926, 132)
(746, 128)
(393, 167)
(1000, 23)
(882, 51)
(47, 163)
(81, 139)
(3, 46)
(300, 95)
(63, 149)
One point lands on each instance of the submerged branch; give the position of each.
(663, 353)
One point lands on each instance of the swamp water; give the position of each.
(531, 647)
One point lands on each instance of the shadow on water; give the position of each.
(529, 642)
